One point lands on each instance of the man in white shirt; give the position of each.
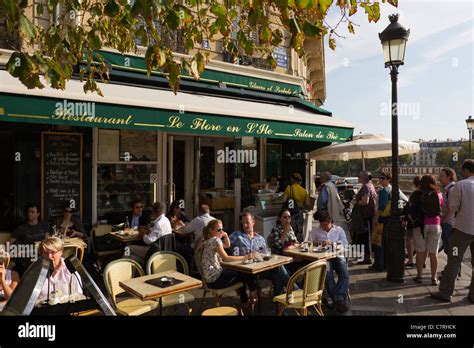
(461, 203)
(331, 235)
(198, 223)
(161, 227)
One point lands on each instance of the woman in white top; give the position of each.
(61, 282)
(213, 253)
(8, 280)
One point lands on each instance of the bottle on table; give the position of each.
(127, 223)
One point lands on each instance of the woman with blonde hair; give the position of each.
(61, 282)
(8, 280)
(216, 277)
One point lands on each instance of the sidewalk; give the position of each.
(371, 294)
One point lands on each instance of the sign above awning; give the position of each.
(209, 75)
(126, 107)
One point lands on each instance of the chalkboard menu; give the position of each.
(61, 173)
(273, 156)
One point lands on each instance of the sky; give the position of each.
(435, 86)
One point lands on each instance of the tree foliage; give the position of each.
(85, 26)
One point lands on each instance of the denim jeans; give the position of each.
(280, 278)
(379, 254)
(337, 291)
(446, 236)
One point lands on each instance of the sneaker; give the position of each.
(341, 306)
(440, 296)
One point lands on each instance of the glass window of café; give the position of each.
(127, 163)
(222, 161)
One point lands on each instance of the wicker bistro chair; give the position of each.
(162, 261)
(5, 236)
(312, 293)
(217, 293)
(76, 249)
(120, 270)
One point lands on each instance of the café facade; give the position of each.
(214, 141)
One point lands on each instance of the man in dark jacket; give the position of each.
(138, 216)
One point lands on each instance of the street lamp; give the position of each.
(394, 39)
(470, 126)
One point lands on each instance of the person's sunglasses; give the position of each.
(219, 230)
(286, 216)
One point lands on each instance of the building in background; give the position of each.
(144, 141)
(429, 149)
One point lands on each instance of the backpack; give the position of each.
(430, 206)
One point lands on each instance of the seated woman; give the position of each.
(70, 224)
(61, 281)
(282, 235)
(8, 280)
(177, 216)
(213, 253)
(272, 184)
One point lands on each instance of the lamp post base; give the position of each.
(395, 251)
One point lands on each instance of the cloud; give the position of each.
(435, 20)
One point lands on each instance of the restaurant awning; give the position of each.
(129, 107)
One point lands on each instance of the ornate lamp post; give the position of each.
(394, 39)
(470, 126)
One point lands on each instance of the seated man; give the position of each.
(246, 241)
(161, 227)
(199, 222)
(330, 234)
(185, 246)
(33, 230)
(137, 216)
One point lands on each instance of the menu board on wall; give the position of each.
(61, 173)
(273, 156)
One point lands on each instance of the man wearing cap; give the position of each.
(363, 214)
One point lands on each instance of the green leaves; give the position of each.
(218, 9)
(111, 9)
(311, 29)
(323, 6)
(373, 11)
(118, 25)
(21, 65)
(27, 27)
(350, 27)
(197, 65)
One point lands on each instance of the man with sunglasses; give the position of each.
(138, 216)
(248, 241)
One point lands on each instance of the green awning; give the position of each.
(137, 107)
(46, 110)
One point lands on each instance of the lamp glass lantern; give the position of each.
(394, 39)
(470, 123)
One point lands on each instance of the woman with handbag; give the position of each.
(296, 197)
